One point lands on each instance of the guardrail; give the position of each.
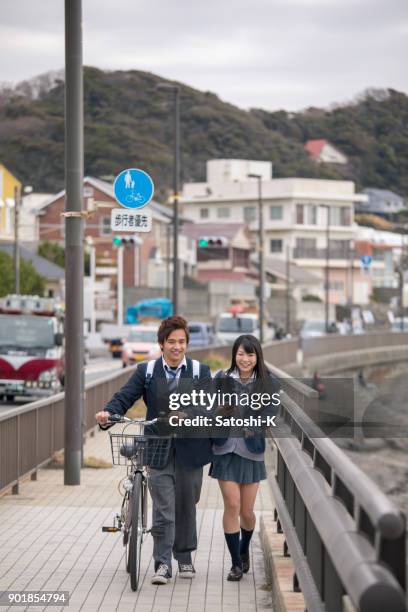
(31, 434)
(335, 343)
(346, 539)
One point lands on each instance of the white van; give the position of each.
(231, 326)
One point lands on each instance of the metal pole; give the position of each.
(120, 285)
(287, 289)
(176, 176)
(402, 284)
(327, 272)
(261, 263)
(93, 277)
(74, 255)
(17, 195)
(168, 228)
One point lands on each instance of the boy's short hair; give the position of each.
(169, 325)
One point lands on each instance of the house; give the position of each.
(9, 184)
(53, 274)
(297, 213)
(322, 151)
(381, 202)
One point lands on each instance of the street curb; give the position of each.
(279, 569)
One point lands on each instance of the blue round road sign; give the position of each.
(133, 188)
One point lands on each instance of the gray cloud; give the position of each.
(268, 53)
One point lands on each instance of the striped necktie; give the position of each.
(172, 378)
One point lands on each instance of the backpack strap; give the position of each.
(149, 371)
(196, 369)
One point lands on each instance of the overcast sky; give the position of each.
(259, 53)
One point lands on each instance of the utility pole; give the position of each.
(17, 199)
(261, 257)
(175, 89)
(120, 285)
(74, 248)
(287, 289)
(327, 268)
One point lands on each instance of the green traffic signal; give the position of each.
(117, 240)
(203, 242)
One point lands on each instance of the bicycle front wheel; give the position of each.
(136, 532)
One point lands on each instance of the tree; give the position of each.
(31, 283)
(53, 252)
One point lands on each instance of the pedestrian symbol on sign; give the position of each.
(133, 188)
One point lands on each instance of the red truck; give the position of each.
(31, 347)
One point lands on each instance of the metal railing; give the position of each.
(31, 434)
(346, 538)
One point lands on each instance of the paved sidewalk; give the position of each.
(51, 539)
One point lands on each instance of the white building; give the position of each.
(295, 217)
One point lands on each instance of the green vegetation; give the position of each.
(55, 253)
(31, 283)
(52, 251)
(129, 123)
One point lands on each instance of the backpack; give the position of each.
(152, 363)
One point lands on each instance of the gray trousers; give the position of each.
(175, 493)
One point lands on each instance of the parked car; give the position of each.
(230, 326)
(201, 334)
(140, 345)
(316, 329)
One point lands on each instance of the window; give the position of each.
(249, 213)
(336, 285)
(105, 226)
(345, 215)
(311, 214)
(223, 212)
(300, 213)
(275, 213)
(275, 245)
(204, 213)
(306, 243)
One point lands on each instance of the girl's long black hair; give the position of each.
(251, 345)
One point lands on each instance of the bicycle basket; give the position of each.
(152, 451)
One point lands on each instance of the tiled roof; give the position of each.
(314, 147)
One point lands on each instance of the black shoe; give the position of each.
(235, 574)
(186, 570)
(245, 562)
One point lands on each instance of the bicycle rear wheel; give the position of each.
(136, 532)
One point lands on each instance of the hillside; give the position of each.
(129, 123)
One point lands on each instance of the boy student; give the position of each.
(175, 489)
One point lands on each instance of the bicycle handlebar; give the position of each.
(117, 418)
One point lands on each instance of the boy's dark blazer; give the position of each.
(190, 452)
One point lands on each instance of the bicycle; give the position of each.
(135, 197)
(136, 451)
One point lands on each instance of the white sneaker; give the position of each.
(186, 570)
(161, 575)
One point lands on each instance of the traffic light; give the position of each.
(125, 241)
(212, 241)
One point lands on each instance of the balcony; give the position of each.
(313, 253)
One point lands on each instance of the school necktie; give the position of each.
(172, 379)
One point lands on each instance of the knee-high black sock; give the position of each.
(232, 540)
(246, 536)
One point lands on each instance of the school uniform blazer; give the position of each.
(227, 384)
(190, 452)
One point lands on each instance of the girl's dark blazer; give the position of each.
(255, 443)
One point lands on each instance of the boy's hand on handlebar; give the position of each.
(102, 417)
